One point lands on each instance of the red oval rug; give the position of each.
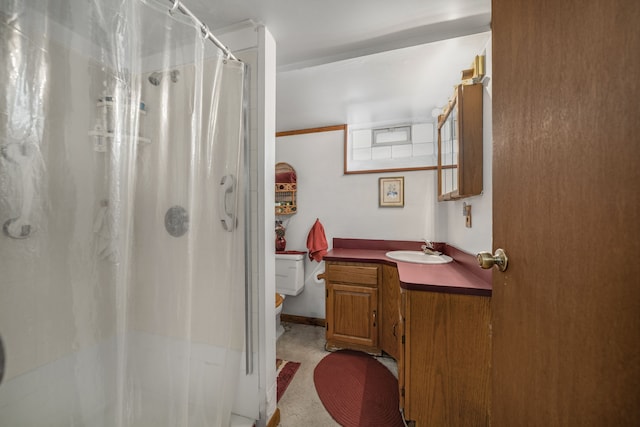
(357, 390)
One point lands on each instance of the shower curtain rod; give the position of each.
(177, 4)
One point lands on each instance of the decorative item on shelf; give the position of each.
(100, 138)
(281, 242)
(109, 105)
(476, 73)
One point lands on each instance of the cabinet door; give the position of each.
(460, 144)
(352, 313)
(401, 348)
(390, 316)
(447, 359)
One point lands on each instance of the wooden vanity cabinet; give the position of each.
(445, 360)
(441, 341)
(363, 307)
(352, 312)
(389, 332)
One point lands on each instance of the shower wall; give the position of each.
(183, 313)
(71, 328)
(162, 262)
(57, 309)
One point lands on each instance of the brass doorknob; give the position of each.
(500, 260)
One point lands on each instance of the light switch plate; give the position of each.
(467, 215)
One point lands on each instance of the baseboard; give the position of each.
(302, 320)
(274, 421)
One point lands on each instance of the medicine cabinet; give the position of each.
(460, 144)
(286, 189)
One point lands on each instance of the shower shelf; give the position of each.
(98, 146)
(102, 103)
(102, 132)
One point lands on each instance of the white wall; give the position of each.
(450, 221)
(57, 315)
(264, 146)
(256, 47)
(347, 206)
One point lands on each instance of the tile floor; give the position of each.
(300, 404)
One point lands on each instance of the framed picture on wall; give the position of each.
(391, 192)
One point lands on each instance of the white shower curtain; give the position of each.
(121, 201)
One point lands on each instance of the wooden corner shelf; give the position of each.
(285, 198)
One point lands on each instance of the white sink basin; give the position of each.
(419, 257)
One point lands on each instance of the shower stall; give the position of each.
(123, 284)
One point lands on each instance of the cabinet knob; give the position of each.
(499, 259)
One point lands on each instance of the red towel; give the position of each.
(317, 242)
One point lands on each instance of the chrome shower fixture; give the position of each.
(156, 77)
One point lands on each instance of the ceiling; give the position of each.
(396, 87)
(310, 32)
(357, 61)
(361, 62)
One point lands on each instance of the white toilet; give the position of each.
(289, 281)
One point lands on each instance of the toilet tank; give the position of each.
(289, 273)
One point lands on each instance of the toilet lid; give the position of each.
(279, 300)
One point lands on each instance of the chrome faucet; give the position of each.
(428, 248)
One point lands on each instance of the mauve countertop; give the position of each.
(461, 276)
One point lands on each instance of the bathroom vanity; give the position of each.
(362, 310)
(352, 305)
(433, 319)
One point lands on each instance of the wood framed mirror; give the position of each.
(460, 144)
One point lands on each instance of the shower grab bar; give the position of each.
(23, 155)
(227, 218)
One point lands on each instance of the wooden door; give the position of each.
(566, 186)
